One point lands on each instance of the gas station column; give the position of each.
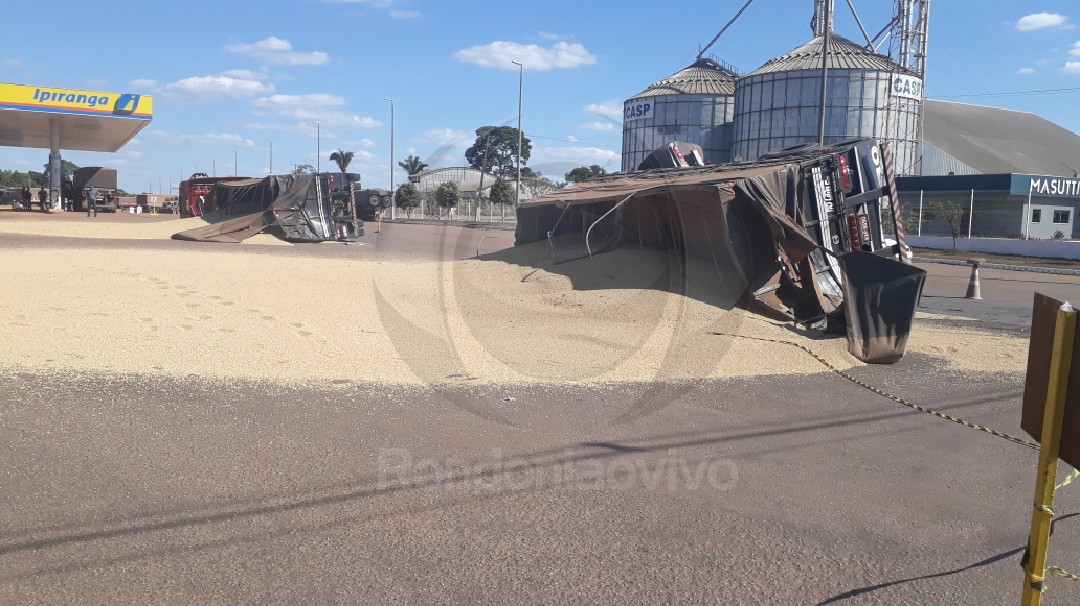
(56, 167)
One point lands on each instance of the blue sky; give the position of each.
(236, 75)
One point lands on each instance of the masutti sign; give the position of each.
(1058, 187)
(637, 110)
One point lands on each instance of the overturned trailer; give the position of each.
(297, 208)
(808, 234)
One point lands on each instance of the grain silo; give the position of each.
(868, 95)
(695, 104)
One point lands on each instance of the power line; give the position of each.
(1015, 93)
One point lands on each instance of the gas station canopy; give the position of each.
(55, 118)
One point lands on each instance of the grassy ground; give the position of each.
(963, 255)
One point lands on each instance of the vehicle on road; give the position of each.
(197, 193)
(317, 207)
(806, 234)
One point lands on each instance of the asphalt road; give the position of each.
(1007, 295)
(140, 489)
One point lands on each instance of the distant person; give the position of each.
(26, 198)
(91, 201)
(43, 197)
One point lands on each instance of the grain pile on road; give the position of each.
(510, 317)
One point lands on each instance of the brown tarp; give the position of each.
(745, 222)
(231, 231)
(748, 225)
(880, 296)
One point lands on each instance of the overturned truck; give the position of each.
(809, 234)
(316, 207)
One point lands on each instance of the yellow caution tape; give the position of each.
(1054, 570)
(1069, 479)
(896, 399)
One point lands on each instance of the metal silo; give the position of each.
(868, 95)
(695, 104)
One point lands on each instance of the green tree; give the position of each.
(342, 159)
(412, 165)
(535, 184)
(502, 193)
(302, 169)
(408, 198)
(495, 151)
(952, 215)
(448, 195)
(582, 173)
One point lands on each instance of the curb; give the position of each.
(503, 226)
(1041, 270)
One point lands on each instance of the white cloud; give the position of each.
(612, 108)
(598, 126)
(245, 74)
(142, 83)
(204, 88)
(403, 14)
(1036, 21)
(11, 62)
(1075, 50)
(1025, 71)
(213, 139)
(277, 51)
(305, 110)
(279, 102)
(580, 156)
(445, 136)
(1071, 67)
(500, 54)
(371, 3)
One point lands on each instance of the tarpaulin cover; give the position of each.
(298, 208)
(750, 224)
(880, 297)
(745, 221)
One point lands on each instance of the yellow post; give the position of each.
(380, 223)
(1053, 414)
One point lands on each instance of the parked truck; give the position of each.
(99, 178)
(317, 207)
(197, 194)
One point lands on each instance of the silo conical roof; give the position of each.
(843, 54)
(703, 77)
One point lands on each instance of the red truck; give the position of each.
(197, 194)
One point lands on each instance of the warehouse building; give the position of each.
(1010, 174)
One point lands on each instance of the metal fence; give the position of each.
(975, 214)
(482, 211)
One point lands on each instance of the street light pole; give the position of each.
(318, 147)
(521, 82)
(271, 155)
(393, 205)
(234, 171)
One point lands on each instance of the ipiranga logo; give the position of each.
(126, 103)
(66, 97)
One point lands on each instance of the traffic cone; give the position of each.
(973, 290)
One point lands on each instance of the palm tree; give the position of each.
(342, 159)
(412, 165)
